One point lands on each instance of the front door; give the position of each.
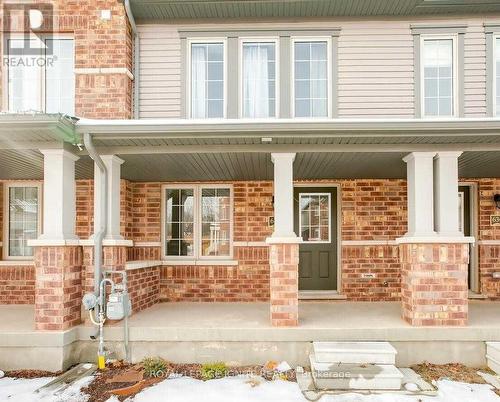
(315, 220)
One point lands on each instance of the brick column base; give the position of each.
(434, 289)
(284, 282)
(58, 287)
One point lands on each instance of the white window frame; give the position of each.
(276, 41)
(197, 225)
(42, 75)
(6, 216)
(454, 39)
(329, 195)
(494, 83)
(329, 65)
(195, 41)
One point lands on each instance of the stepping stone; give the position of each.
(355, 352)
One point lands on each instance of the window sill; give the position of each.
(17, 263)
(199, 262)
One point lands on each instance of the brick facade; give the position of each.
(17, 284)
(434, 284)
(103, 56)
(372, 210)
(284, 284)
(58, 287)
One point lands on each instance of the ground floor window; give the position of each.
(22, 212)
(197, 221)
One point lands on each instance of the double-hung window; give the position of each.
(197, 221)
(439, 77)
(259, 79)
(40, 75)
(207, 75)
(311, 77)
(22, 218)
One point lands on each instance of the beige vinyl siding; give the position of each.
(375, 70)
(160, 72)
(375, 66)
(475, 70)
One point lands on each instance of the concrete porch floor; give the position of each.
(241, 332)
(484, 316)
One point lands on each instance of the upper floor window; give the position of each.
(259, 79)
(42, 80)
(207, 80)
(438, 77)
(197, 221)
(311, 78)
(22, 212)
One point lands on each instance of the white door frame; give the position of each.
(474, 231)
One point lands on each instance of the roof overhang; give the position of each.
(147, 10)
(37, 131)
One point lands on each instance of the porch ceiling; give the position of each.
(28, 164)
(234, 149)
(196, 9)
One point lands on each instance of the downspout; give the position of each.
(136, 47)
(103, 204)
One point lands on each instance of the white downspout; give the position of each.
(136, 47)
(99, 236)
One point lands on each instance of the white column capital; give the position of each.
(59, 152)
(109, 159)
(282, 156)
(448, 154)
(418, 155)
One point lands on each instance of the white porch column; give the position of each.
(420, 194)
(446, 193)
(59, 197)
(283, 196)
(113, 167)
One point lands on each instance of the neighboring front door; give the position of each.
(315, 220)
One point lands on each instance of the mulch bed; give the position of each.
(100, 389)
(31, 373)
(453, 371)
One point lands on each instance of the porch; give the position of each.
(241, 332)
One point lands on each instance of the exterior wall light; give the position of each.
(496, 198)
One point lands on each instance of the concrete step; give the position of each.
(346, 376)
(493, 353)
(355, 352)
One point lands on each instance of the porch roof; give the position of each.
(196, 9)
(179, 149)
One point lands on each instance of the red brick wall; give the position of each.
(99, 44)
(489, 261)
(248, 281)
(372, 210)
(144, 287)
(17, 284)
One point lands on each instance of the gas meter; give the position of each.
(118, 305)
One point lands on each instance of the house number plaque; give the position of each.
(494, 220)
